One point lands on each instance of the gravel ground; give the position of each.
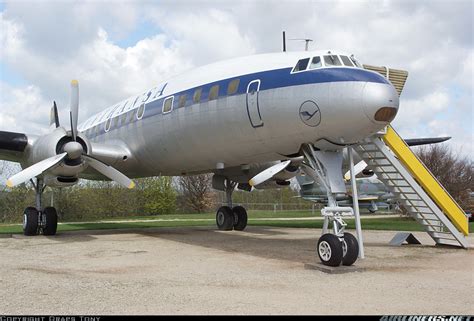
(204, 271)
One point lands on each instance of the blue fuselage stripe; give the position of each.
(271, 79)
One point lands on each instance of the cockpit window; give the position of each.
(332, 60)
(301, 65)
(315, 63)
(346, 61)
(355, 61)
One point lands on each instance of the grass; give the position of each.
(368, 223)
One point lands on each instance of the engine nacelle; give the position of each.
(272, 184)
(53, 144)
(60, 181)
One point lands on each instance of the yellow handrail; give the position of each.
(429, 183)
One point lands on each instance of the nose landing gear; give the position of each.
(339, 246)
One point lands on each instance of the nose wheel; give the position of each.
(332, 251)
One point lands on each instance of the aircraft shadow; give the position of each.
(263, 242)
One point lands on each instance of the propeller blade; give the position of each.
(35, 170)
(109, 171)
(269, 173)
(54, 117)
(74, 107)
(359, 167)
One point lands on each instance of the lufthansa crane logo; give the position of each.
(310, 113)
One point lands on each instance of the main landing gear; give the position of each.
(231, 218)
(37, 220)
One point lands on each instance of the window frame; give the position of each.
(348, 59)
(328, 55)
(293, 71)
(235, 89)
(182, 103)
(196, 95)
(138, 111)
(216, 87)
(320, 63)
(108, 124)
(164, 103)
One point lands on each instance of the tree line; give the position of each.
(91, 200)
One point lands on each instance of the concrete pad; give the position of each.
(342, 269)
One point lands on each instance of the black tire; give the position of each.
(225, 218)
(330, 250)
(351, 249)
(51, 218)
(240, 218)
(30, 221)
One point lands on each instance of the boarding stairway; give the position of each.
(413, 185)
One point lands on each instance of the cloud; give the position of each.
(50, 43)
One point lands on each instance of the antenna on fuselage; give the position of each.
(306, 40)
(284, 42)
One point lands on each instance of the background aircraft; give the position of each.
(372, 193)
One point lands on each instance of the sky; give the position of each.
(118, 49)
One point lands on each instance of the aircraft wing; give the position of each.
(13, 145)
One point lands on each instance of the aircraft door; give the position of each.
(253, 108)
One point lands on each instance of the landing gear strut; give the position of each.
(37, 220)
(339, 246)
(228, 217)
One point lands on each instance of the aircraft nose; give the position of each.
(380, 101)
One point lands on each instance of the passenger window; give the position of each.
(116, 119)
(332, 60)
(130, 116)
(346, 61)
(182, 101)
(233, 86)
(301, 65)
(141, 111)
(107, 124)
(315, 63)
(168, 105)
(214, 92)
(197, 95)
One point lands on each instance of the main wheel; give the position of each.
(330, 250)
(30, 221)
(350, 249)
(51, 224)
(240, 218)
(225, 218)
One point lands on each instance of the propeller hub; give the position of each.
(73, 149)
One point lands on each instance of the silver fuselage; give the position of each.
(262, 122)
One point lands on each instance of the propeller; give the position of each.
(359, 167)
(35, 170)
(54, 118)
(72, 150)
(73, 114)
(269, 173)
(110, 172)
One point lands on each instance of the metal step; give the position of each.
(409, 193)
